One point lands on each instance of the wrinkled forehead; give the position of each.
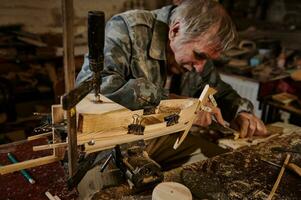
(206, 45)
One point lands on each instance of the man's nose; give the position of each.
(199, 65)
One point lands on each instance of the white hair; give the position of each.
(198, 17)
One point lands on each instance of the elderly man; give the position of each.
(167, 53)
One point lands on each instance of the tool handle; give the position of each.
(96, 23)
(72, 98)
(294, 168)
(12, 158)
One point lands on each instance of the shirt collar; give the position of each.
(157, 48)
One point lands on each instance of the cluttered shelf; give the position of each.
(261, 65)
(31, 78)
(272, 106)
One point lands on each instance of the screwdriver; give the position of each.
(293, 167)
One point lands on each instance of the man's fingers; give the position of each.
(252, 128)
(203, 119)
(218, 115)
(244, 128)
(250, 125)
(261, 129)
(208, 118)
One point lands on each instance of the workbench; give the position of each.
(50, 177)
(239, 174)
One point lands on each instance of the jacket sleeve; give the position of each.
(228, 100)
(118, 84)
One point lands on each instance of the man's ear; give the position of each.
(173, 31)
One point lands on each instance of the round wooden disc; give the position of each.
(296, 75)
(171, 190)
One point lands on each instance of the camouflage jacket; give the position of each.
(135, 67)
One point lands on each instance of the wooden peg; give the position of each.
(279, 177)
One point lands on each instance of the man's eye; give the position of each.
(200, 55)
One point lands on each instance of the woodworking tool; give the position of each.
(286, 161)
(96, 23)
(89, 162)
(132, 160)
(139, 169)
(23, 171)
(291, 166)
(224, 130)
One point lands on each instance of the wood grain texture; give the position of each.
(171, 190)
(28, 164)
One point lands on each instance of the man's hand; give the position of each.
(204, 117)
(248, 125)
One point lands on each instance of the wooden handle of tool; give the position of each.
(295, 168)
(286, 161)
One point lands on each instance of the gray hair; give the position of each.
(198, 17)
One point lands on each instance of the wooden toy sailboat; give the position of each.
(105, 125)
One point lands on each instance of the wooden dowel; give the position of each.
(49, 146)
(279, 177)
(49, 195)
(57, 198)
(43, 135)
(69, 71)
(295, 168)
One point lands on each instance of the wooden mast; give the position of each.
(69, 70)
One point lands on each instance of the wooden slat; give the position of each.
(35, 137)
(49, 146)
(28, 164)
(203, 97)
(69, 71)
(107, 143)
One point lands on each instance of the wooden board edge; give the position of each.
(28, 164)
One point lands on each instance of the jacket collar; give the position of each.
(157, 48)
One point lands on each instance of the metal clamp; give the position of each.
(171, 119)
(136, 127)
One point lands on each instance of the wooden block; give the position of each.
(88, 123)
(296, 75)
(57, 113)
(171, 190)
(284, 98)
(58, 116)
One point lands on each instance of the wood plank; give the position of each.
(107, 143)
(155, 126)
(42, 135)
(243, 142)
(28, 164)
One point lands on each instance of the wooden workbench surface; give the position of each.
(240, 174)
(50, 177)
